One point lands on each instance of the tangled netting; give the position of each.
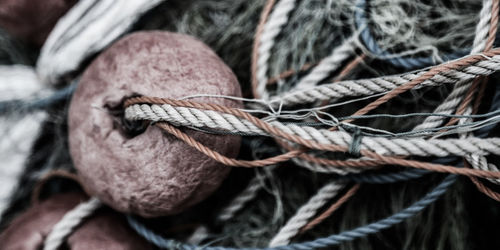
(367, 124)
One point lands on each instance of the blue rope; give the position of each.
(372, 46)
(386, 178)
(332, 240)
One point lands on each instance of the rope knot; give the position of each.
(355, 146)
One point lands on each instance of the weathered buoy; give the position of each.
(152, 173)
(105, 230)
(31, 21)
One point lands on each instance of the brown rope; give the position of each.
(290, 72)
(329, 162)
(221, 158)
(284, 157)
(484, 189)
(426, 76)
(256, 42)
(495, 7)
(331, 209)
(481, 187)
(469, 96)
(350, 67)
(293, 138)
(274, 131)
(482, 81)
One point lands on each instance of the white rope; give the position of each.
(327, 169)
(365, 87)
(248, 194)
(384, 146)
(458, 93)
(480, 162)
(456, 96)
(477, 161)
(17, 131)
(327, 65)
(272, 28)
(482, 28)
(305, 213)
(234, 206)
(20, 82)
(87, 28)
(69, 222)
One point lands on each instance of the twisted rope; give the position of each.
(480, 162)
(271, 29)
(327, 65)
(69, 222)
(280, 158)
(293, 138)
(256, 43)
(329, 241)
(248, 194)
(384, 146)
(481, 40)
(233, 121)
(87, 28)
(305, 213)
(460, 70)
(331, 209)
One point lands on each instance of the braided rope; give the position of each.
(293, 138)
(384, 146)
(256, 43)
(248, 194)
(314, 163)
(352, 191)
(480, 41)
(327, 65)
(284, 157)
(69, 222)
(193, 116)
(473, 66)
(271, 29)
(305, 213)
(480, 162)
(483, 27)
